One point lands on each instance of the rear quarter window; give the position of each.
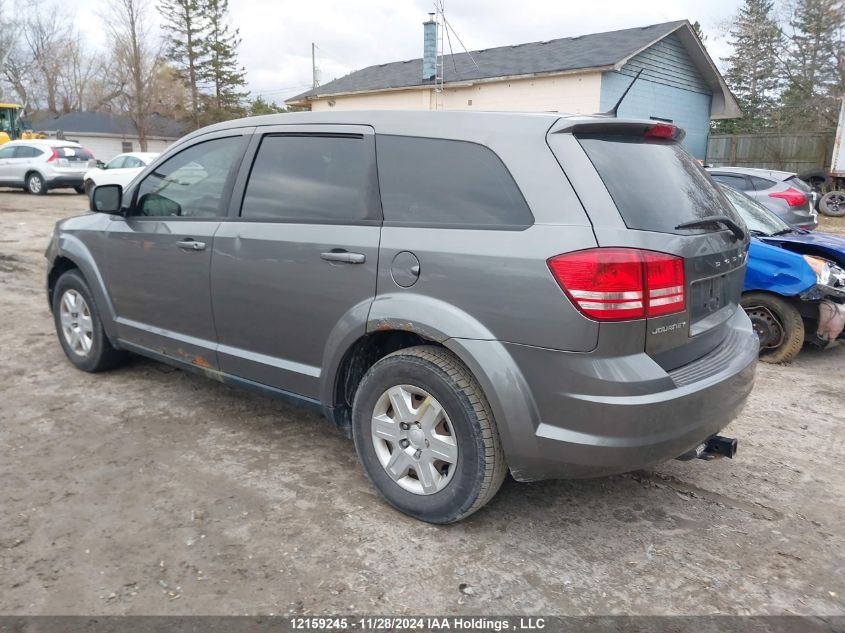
(655, 184)
(447, 183)
(762, 183)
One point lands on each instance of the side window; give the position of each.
(24, 151)
(447, 183)
(193, 183)
(737, 182)
(116, 163)
(131, 162)
(7, 152)
(316, 178)
(761, 183)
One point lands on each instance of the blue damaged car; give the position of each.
(794, 290)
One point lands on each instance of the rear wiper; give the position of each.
(735, 228)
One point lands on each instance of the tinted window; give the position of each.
(24, 151)
(655, 184)
(193, 183)
(311, 179)
(73, 154)
(737, 182)
(799, 184)
(447, 183)
(761, 183)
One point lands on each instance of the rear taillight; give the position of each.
(793, 197)
(619, 284)
(54, 156)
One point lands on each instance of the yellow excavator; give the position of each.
(13, 127)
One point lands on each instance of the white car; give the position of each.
(120, 170)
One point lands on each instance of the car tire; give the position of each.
(79, 189)
(88, 187)
(79, 326)
(448, 416)
(35, 184)
(778, 324)
(833, 204)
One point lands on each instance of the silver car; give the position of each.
(782, 192)
(464, 294)
(40, 165)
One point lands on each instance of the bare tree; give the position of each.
(138, 56)
(45, 34)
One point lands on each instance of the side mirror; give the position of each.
(107, 199)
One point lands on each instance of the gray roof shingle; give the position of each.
(108, 123)
(565, 54)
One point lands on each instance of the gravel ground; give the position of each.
(151, 491)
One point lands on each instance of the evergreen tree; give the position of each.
(696, 27)
(752, 66)
(259, 106)
(224, 76)
(813, 65)
(185, 29)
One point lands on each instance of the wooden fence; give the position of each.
(795, 152)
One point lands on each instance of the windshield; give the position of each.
(655, 184)
(758, 218)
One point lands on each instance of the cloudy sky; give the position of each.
(277, 34)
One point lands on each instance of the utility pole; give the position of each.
(314, 80)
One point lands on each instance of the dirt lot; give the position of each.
(151, 491)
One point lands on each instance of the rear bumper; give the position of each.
(807, 219)
(58, 181)
(601, 416)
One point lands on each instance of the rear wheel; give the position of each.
(778, 324)
(79, 327)
(35, 184)
(833, 204)
(426, 436)
(80, 189)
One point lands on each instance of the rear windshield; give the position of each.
(74, 154)
(799, 184)
(655, 184)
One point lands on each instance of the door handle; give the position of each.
(191, 245)
(344, 256)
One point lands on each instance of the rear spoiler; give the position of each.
(600, 126)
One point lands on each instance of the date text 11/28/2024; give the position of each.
(407, 623)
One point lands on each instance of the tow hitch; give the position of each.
(715, 447)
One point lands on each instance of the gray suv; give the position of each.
(465, 294)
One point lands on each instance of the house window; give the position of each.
(127, 146)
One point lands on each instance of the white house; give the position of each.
(579, 75)
(106, 135)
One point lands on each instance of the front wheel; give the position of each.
(778, 325)
(426, 436)
(79, 327)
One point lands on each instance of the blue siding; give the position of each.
(669, 88)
